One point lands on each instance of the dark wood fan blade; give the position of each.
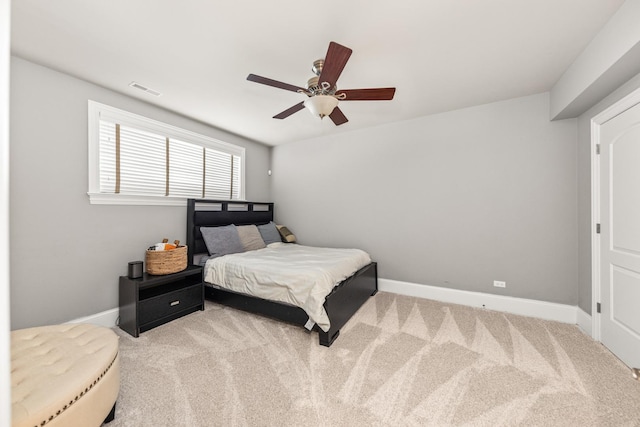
(274, 83)
(373, 94)
(338, 117)
(289, 111)
(334, 62)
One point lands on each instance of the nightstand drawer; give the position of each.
(167, 304)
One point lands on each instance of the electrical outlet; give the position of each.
(499, 284)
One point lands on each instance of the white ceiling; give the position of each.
(441, 55)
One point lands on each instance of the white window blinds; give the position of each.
(148, 159)
(186, 169)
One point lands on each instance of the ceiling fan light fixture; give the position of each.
(322, 93)
(321, 105)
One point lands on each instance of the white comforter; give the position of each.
(299, 275)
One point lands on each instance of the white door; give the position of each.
(620, 235)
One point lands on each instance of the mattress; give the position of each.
(289, 273)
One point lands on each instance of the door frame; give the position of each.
(596, 122)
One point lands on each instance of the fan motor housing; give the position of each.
(312, 84)
(314, 87)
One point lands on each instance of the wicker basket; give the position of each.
(166, 262)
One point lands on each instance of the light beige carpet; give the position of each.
(399, 361)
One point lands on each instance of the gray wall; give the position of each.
(584, 190)
(454, 200)
(66, 254)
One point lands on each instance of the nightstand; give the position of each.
(151, 301)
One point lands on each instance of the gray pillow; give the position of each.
(269, 233)
(221, 240)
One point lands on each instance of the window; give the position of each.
(136, 160)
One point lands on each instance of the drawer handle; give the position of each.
(175, 303)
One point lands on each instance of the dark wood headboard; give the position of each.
(214, 213)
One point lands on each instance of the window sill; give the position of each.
(138, 200)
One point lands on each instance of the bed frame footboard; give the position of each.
(346, 298)
(341, 304)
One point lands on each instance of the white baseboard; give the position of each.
(524, 307)
(521, 306)
(584, 322)
(106, 318)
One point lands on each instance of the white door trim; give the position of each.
(596, 122)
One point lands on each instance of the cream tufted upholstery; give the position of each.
(63, 375)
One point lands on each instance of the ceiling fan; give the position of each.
(321, 91)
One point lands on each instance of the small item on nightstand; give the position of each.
(135, 269)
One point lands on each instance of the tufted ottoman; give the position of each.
(64, 375)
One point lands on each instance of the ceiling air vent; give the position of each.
(144, 88)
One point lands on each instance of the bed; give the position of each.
(341, 303)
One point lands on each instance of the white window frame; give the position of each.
(99, 112)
